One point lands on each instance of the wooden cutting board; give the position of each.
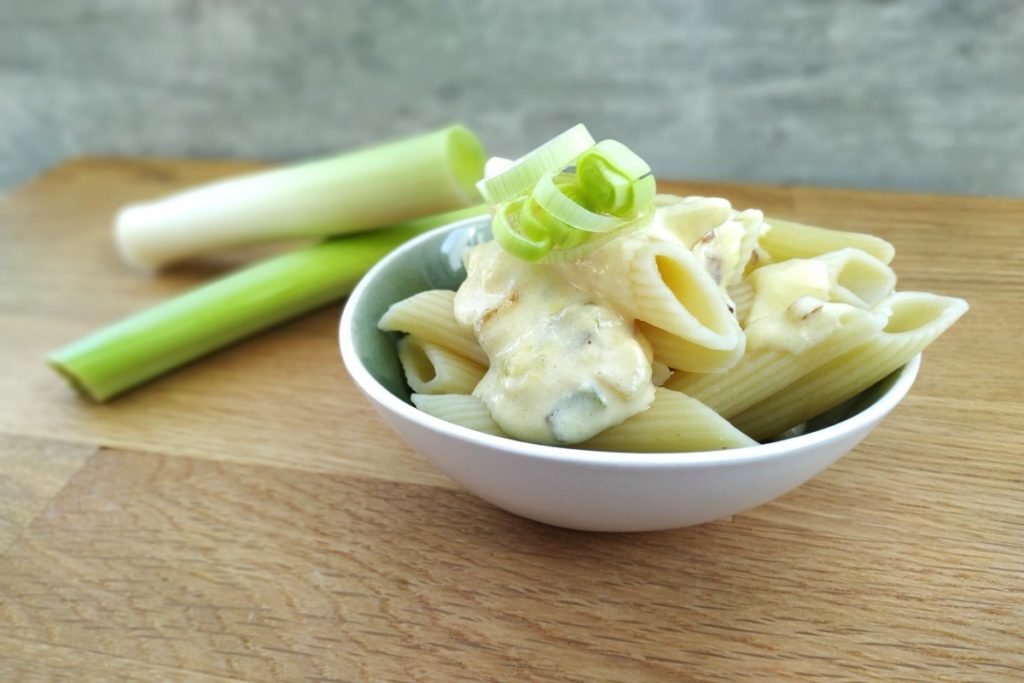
(250, 518)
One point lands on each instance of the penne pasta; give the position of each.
(678, 353)
(430, 316)
(461, 409)
(916, 319)
(742, 295)
(848, 276)
(764, 372)
(721, 238)
(672, 291)
(857, 278)
(433, 369)
(664, 285)
(675, 422)
(759, 258)
(786, 239)
(752, 221)
(687, 219)
(719, 252)
(660, 371)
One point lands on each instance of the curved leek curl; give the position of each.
(523, 173)
(615, 178)
(561, 207)
(527, 240)
(594, 241)
(551, 215)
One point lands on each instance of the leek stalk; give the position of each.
(353, 192)
(143, 346)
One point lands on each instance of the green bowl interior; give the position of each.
(435, 264)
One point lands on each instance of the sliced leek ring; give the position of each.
(551, 157)
(512, 235)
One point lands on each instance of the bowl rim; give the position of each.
(380, 395)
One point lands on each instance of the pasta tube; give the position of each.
(460, 409)
(857, 278)
(433, 369)
(916, 319)
(678, 353)
(675, 422)
(663, 284)
(786, 239)
(764, 372)
(742, 295)
(430, 316)
(687, 219)
(672, 291)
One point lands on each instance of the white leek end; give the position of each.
(353, 192)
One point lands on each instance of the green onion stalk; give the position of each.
(353, 192)
(169, 335)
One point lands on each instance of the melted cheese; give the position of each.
(564, 366)
(565, 362)
(791, 310)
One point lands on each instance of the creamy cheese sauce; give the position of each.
(791, 310)
(566, 362)
(564, 366)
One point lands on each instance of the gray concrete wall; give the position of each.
(908, 94)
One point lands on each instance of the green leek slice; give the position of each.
(528, 240)
(594, 241)
(552, 156)
(551, 198)
(617, 194)
(546, 213)
(538, 221)
(615, 178)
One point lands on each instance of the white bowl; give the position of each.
(580, 489)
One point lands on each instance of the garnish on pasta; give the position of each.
(568, 197)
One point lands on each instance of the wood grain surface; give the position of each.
(249, 518)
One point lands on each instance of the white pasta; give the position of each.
(721, 238)
(663, 284)
(752, 221)
(672, 291)
(675, 422)
(857, 278)
(786, 240)
(916, 319)
(461, 409)
(688, 219)
(429, 315)
(764, 372)
(433, 369)
(678, 353)
(742, 295)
